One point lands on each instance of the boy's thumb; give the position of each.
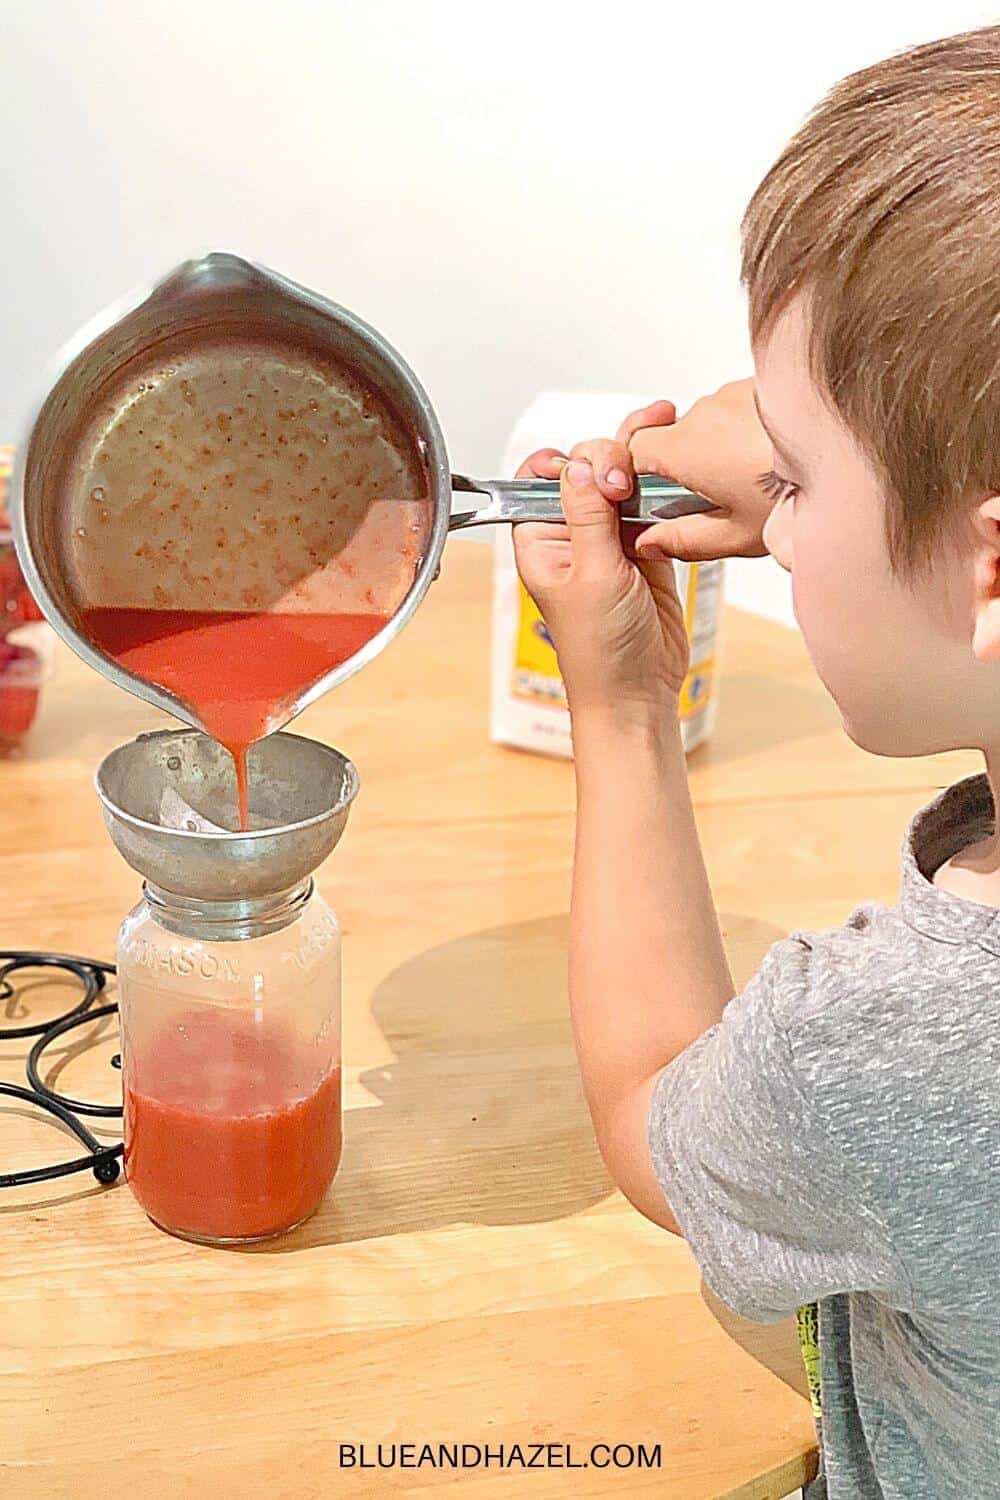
(592, 520)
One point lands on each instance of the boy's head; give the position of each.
(871, 254)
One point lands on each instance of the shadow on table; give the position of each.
(481, 1116)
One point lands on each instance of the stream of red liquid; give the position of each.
(236, 670)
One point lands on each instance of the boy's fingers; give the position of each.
(612, 465)
(592, 521)
(700, 538)
(657, 414)
(545, 463)
(688, 539)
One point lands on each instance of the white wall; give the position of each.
(522, 196)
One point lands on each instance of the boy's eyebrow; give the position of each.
(776, 442)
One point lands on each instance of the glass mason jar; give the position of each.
(230, 1022)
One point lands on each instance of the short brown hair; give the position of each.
(884, 211)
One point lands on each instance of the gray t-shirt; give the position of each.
(836, 1138)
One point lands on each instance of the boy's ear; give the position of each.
(986, 601)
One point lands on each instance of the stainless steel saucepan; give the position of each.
(229, 440)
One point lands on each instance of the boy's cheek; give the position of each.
(838, 624)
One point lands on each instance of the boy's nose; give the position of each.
(777, 534)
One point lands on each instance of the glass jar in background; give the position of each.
(230, 1022)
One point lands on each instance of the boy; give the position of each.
(833, 1133)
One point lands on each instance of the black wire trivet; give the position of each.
(103, 1161)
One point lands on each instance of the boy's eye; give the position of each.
(777, 488)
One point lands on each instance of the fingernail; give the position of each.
(578, 472)
(617, 478)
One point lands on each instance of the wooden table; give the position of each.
(472, 1277)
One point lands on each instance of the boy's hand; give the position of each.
(617, 625)
(718, 449)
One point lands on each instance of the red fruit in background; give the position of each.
(21, 669)
(10, 585)
(20, 674)
(17, 606)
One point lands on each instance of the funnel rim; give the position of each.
(349, 791)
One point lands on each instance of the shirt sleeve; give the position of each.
(759, 1187)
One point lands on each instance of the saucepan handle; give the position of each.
(507, 500)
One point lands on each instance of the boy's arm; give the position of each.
(648, 973)
(709, 1114)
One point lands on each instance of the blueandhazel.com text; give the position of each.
(499, 1456)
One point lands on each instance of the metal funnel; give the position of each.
(300, 797)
